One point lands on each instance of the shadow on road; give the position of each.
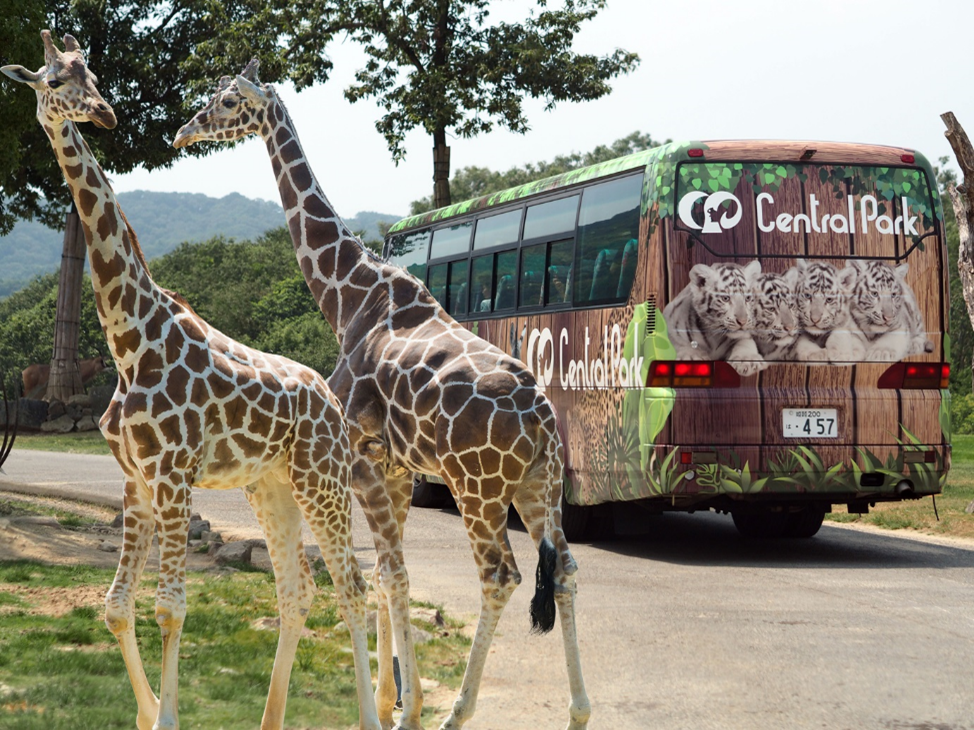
(710, 539)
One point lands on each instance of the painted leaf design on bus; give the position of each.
(654, 404)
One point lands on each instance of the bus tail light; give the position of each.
(692, 374)
(916, 376)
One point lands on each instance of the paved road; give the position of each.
(688, 626)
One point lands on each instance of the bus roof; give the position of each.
(673, 152)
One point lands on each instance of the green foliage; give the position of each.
(251, 291)
(439, 65)
(473, 182)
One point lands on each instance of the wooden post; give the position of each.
(65, 378)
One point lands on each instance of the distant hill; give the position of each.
(162, 221)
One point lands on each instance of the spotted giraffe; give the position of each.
(194, 408)
(422, 394)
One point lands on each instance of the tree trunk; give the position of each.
(65, 378)
(441, 170)
(962, 200)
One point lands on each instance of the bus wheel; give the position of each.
(806, 522)
(575, 520)
(764, 525)
(427, 495)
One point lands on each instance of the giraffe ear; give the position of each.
(251, 90)
(250, 71)
(34, 79)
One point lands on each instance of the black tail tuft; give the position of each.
(543, 603)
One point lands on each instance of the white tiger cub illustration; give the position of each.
(829, 332)
(775, 320)
(886, 311)
(711, 319)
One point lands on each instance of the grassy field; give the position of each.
(87, 442)
(920, 514)
(61, 668)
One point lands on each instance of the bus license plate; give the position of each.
(810, 423)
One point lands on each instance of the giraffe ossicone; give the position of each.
(421, 394)
(194, 408)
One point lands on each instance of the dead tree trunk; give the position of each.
(65, 377)
(962, 200)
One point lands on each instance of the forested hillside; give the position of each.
(163, 221)
(268, 305)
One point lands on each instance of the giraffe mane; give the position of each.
(137, 250)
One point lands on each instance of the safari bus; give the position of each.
(757, 328)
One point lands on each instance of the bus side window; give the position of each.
(559, 273)
(506, 274)
(532, 275)
(608, 222)
(437, 283)
(458, 288)
(482, 277)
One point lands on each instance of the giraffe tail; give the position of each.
(543, 602)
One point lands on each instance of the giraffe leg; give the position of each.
(532, 512)
(385, 688)
(385, 502)
(498, 579)
(171, 506)
(280, 520)
(139, 527)
(325, 502)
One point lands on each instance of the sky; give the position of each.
(876, 71)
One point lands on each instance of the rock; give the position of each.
(82, 400)
(86, 423)
(100, 396)
(119, 520)
(194, 543)
(426, 615)
(234, 552)
(30, 413)
(64, 424)
(55, 409)
(207, 536)
(969, 509)
(197, 528)
(108, 547)
(73, 410)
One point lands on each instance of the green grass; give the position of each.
(920, 515)
(67, 671)
(86, 442)
(13, 506)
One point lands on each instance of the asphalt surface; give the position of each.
(687, 626)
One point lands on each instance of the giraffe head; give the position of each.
(237, 109)
(64, 85)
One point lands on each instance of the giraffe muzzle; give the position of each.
(184, 137)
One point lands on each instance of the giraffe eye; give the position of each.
(229, 103)
(55, 84)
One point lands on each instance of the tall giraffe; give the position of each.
(194, 408)
(422, 394)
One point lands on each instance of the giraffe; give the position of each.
(421, 394)
(194, 408)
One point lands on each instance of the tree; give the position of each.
(434, 64)
(473, 182)
(138, 51)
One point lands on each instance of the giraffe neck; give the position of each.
(340, 271)
(127, 299)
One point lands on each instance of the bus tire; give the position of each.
(761, 525)
(575, 520)
(427, 495)
(806, 522)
